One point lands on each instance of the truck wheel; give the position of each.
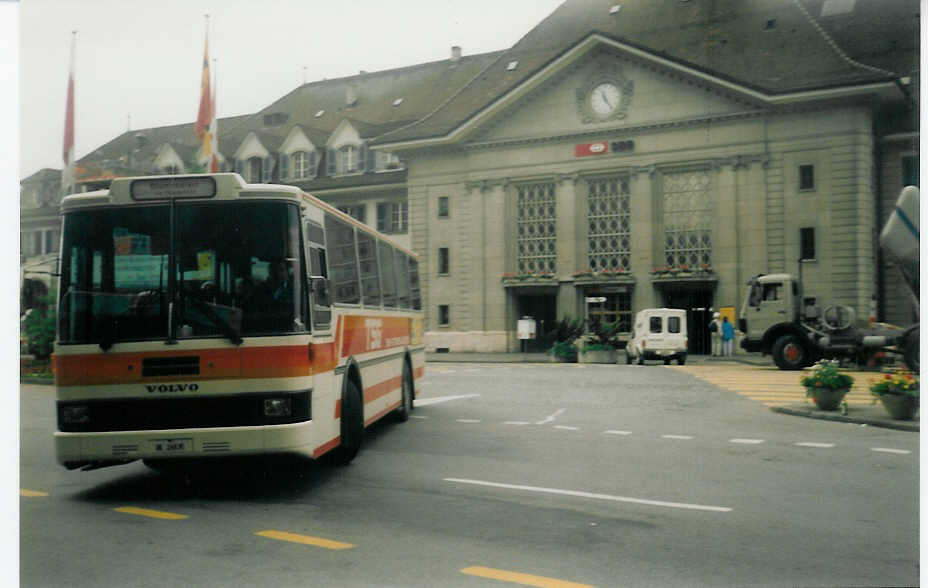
(910, 350)
(790, 353)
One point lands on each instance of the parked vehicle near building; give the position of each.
(659, 334)
(797, 330)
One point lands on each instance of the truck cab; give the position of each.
(771, 299)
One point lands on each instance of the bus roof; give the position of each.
(142, 190)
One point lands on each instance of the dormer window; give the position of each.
(303, 164)
(347, 160)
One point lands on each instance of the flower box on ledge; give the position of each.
(684, 273)
(589, 276)
(528, 279)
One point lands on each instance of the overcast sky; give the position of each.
(142, 59)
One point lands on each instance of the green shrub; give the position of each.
(564, 349)
(39, 327)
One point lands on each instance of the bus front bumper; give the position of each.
(89, 450)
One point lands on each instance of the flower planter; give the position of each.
(598, 356)
(828, 398)
(900, 407)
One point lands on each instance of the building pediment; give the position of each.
(251, 146)
(447, 126)
(344, 134)
(295, 141)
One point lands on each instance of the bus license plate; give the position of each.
(172, 445)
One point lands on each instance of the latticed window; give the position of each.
(537, 240)
(608, 214)
(687, 219)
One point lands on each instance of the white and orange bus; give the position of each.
(201, 316)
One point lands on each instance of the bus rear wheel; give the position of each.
(352, 425)
(402, 413)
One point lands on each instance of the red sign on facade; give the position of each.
(587, 149)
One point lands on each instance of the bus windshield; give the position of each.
(237, 270)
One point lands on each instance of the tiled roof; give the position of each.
(771, 46)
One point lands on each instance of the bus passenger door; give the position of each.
(322, 352)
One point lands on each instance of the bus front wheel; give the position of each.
(352, 424)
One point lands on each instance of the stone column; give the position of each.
(568, 245)
(644, 236)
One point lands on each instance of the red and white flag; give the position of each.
(67, 174)
(204, 115)
(214, 132)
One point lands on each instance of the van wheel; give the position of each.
(352, 425)
(681, 359)
(666, 361)
(790, 353)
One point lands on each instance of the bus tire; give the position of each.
(401, 414)
(790, 353)
(351, 429)
(910, 352)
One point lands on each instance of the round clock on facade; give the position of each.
(605, 99)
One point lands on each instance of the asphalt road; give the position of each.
(507, 474)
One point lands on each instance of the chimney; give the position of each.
(455, 52)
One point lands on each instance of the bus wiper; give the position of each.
(227, 329)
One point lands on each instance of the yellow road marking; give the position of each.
(518, 578)
(155, 514)
(304, 539)
(31, 493)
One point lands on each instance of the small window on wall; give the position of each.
(444, 315)
(807, 243)
(444, 210)
(444, 261)
(807, 177)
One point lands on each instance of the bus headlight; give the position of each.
(75, 414)
(277, 407)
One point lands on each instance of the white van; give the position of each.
(659, 333)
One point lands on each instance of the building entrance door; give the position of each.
(542, 308)
(697, 302)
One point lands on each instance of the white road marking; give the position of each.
(684, 437)
(566, 428)
(414, 416)
(468, 420)
(579, 494)
(551, 418)
(819, 445)
(888, 450)
(438, 399)
(617, 432)
(746, 441)
(517, 423)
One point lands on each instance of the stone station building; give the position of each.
(622, 155)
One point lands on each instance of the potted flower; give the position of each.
(562, 338)
(826, 385)
(601, 344)
(898, 393)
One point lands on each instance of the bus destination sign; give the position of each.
(169, 188)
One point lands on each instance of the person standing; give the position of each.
(715, 334)
(728, 337)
